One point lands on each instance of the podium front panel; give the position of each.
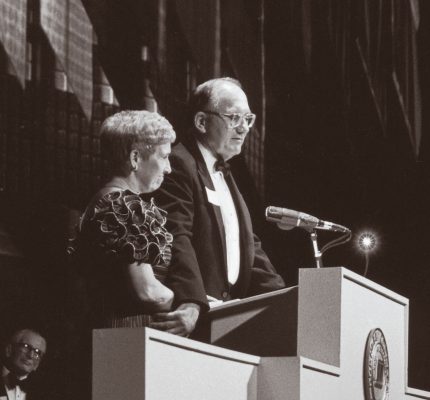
(145, 364)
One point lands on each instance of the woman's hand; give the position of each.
(148, 289)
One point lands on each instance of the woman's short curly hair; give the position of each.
(128, 130)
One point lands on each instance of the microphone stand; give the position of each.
(317, 253)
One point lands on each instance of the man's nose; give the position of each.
(30, 355)
(243, 127)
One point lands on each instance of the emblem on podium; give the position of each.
(376, 367)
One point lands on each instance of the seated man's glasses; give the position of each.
(235, 119)
(26, 348)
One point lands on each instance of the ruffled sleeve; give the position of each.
(122, 225)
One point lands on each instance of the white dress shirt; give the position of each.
(12, 392)
(222, 198)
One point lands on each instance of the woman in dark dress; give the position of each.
(122, 235)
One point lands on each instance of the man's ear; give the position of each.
(200, 121)
(8, 350)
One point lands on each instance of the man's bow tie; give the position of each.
(224, 167)
(13, 381)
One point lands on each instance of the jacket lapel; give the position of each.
(207, 183)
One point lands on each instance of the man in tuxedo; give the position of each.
(215, 255)
(22, 355)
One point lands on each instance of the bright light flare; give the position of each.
(367, 242)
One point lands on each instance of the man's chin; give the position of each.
(231, 154)
(24, 369)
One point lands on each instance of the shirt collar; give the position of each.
(209, 158)
(5, 372)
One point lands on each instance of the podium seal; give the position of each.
(376, 367)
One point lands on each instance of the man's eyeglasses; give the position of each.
(235, 119)
(26, 348)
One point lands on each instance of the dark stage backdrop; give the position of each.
(342, 146)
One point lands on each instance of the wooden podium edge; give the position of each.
(318, 366)
(365, 282)
(373, 286)
(417, 393)
(199, 347)
(238, 303)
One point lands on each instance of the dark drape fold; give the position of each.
(70, 34)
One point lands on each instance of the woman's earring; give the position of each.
(134, 167)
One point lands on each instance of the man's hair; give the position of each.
(128, 130)
(208, 92)
(17, 332)
(13, 332)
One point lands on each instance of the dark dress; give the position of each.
(118, 228)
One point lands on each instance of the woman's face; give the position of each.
(150, 172)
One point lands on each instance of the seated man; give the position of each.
(215, 253)
(21, 356)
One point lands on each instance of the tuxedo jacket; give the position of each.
(33, 389)
(199, 265)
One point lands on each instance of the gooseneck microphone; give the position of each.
(289, 219)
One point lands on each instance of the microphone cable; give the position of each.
(344, 238)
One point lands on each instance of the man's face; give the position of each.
(151, 171)
(25, 352)
(226, 141)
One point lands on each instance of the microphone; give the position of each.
(289, 219)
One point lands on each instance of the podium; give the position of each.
(335, 336)
(145, 364)
(263, 325)
(337, 312)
